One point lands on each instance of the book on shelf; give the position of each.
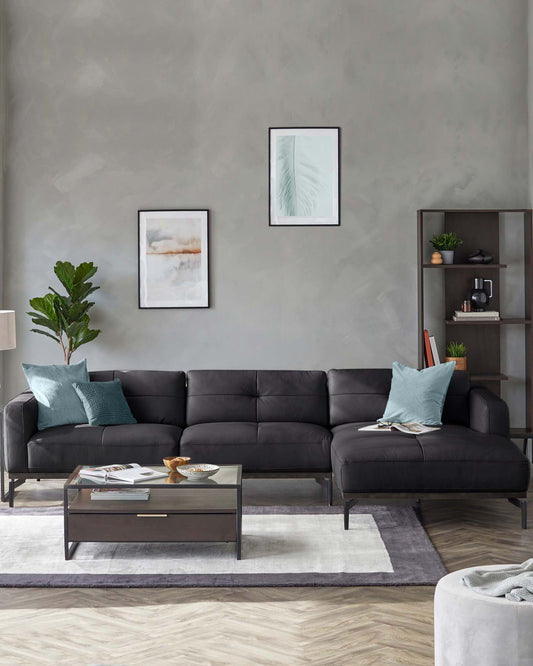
(481, 313)
(114, 494)
(434, 350)
(427, 348)
(411, 428)
(130, 473)
(487, 315)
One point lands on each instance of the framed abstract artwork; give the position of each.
(304, 183)
(173, 259)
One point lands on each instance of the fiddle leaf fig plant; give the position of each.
(65, 319)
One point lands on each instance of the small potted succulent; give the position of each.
(456, 351)
(446, 244)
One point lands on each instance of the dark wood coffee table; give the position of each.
(177, 510)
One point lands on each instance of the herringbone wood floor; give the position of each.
(323, 626)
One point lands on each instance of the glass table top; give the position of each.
(227, 475)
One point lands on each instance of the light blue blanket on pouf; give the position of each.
(514, 581)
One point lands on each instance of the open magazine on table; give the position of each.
(412, 428)
(130, 473)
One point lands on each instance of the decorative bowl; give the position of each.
(199, 471)
(173, 462)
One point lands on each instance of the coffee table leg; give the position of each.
(238, 544)
(69, 549)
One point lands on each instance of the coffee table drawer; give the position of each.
(152, 527)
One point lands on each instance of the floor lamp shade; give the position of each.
(7, 330)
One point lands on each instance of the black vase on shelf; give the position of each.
(479, 295)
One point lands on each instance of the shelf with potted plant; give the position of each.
(442, 294)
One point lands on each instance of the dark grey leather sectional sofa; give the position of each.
(289, 423)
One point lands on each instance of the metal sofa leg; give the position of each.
(329, 483)
(13, 483)
(347, 506)
(522, 505)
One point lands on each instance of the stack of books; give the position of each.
(487, 315)
(120, 494)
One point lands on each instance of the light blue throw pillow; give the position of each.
(58, 402)
(104, 403)
(418, 395)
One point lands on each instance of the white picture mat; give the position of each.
(281, 220)
(145, 298)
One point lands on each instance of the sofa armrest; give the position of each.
(20, 424)
(489, 414)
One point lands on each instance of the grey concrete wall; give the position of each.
(117, 105)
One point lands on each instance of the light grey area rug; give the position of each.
(282, 546)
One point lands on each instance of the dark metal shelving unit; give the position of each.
(480, 228)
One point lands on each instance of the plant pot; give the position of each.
(447, 256)
(460, 361)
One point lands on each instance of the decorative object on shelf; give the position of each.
(66, 317)
(304, 176)
(173, 259)
(480, 257)
(467, 306)
(446, 244)
(456, 351)
(479, 296)
(436, 258)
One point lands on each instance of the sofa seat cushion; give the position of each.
(451, 459)
(259, 447)
(61, 449)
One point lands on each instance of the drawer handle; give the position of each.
(151, 515)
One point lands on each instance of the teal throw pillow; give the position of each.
(58, 402)
(418, 395)
(104, 403)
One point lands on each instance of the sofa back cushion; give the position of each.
(361, 395)
(257, 396)
(154, 396)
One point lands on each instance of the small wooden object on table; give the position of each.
(186, 510)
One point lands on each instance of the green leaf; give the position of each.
(84, 271)
(47, 323)
(36, 330)
(45, 305)
(81, 291)
(65, 273)
(85, 337)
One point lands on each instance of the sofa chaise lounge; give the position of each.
(285, 423)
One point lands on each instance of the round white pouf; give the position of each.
(472, 629)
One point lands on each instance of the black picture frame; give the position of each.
(305, 127)
(207, 304)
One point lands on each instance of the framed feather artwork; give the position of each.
(304, 176)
